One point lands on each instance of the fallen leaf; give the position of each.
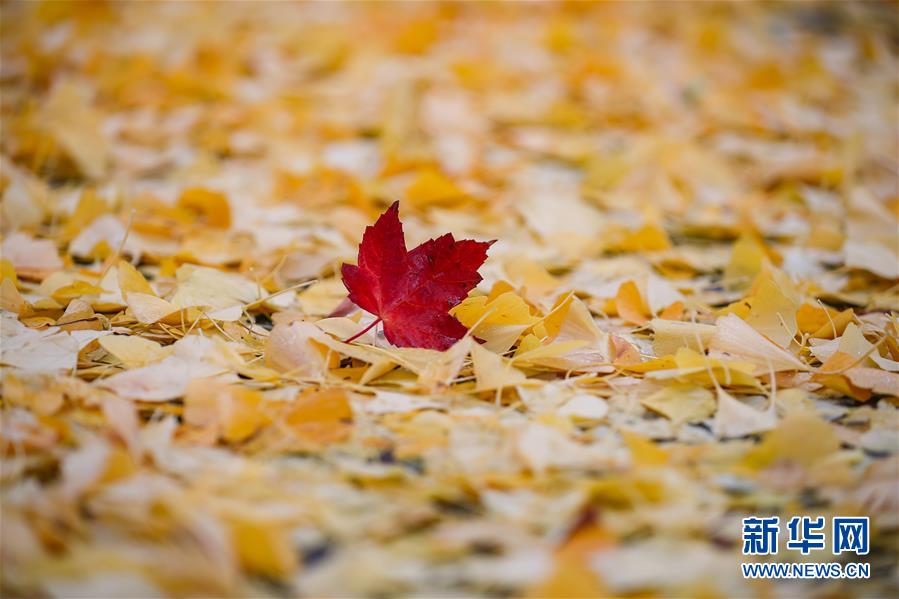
(499, 321)
(411, 291)
(671, 335)
(492, 372)
(69, 116)
(297, 349)
(734, 418)
(734, 337)
(801, 438)
(774, 307)
(630, 305)
(48, 350)
(682, 403)
(190, 358)
(33, 257)
(133, 351)
(219, 294)
(873, 257)
(211, 206)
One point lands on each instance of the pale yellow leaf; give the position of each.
(132, 350)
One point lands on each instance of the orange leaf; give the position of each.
(211, 205)
(673, 312)
(325, 405)
(836, 326)
(630, 304)
(572, 576)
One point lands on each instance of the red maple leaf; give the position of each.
(411, 292)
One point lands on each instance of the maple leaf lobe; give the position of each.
(381, 256)
(412, 291)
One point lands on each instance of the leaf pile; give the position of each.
(688, 316)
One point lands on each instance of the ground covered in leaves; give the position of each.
(689, 315)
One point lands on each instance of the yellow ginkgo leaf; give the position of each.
(498, 321)
(234, 412)
(682, 403)
(8, 271)
(572, 576)
(747, 258)
(70, 118)
(148, 309)
(801, 438)
(691, 366)
(211, 206)
(492, 372)
(10, 298)
(576, 343)
(131, 280)
(835, 326)
(555, 349)
(737, 419)
(263, 547)
(132, 350)
(89, 207)
(76, 289)
(219, 294)
(529, 275)
(811, 318)
(630, 304)
(734, 337)
(671, 335)
(431, 187)
(644, 452)
(773, 314)
(648, 238)
(297, 349)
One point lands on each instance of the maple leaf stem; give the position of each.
(363, 331)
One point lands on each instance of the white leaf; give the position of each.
(736, 338)
(736, 419)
